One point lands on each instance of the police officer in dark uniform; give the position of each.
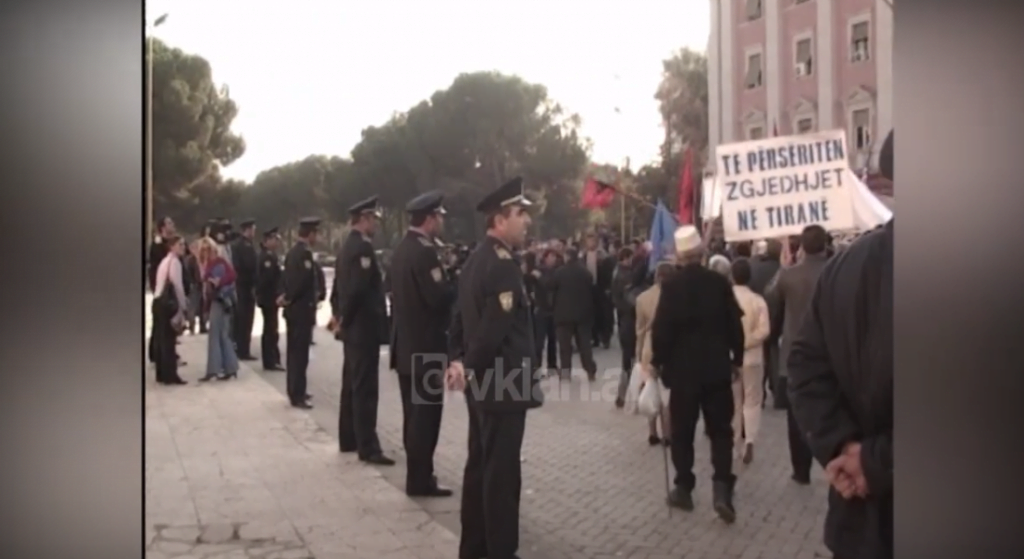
(491, 347)
(299, 302)
(421, 303)
(268, 286)
(358, 317)
(246, 263)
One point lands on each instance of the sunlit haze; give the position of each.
(309, 75)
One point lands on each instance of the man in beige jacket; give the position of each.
(748, 388)
(646, 304)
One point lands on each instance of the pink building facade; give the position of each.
(793, 66)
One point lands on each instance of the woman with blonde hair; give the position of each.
(219, 302)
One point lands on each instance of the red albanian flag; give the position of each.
(597, 194)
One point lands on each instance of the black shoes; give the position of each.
(801, 479)
(748, 454)
(433, 491)
(722, 501)
(274, 368)
(378, 459)
(680, 499)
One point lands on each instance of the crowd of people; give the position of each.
(719, 326)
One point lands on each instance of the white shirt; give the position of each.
(170, 270)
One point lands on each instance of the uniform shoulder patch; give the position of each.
(436, 274)
(502, 253)
(266, 264)
(505, 298)
(365, 262)
(308, 264)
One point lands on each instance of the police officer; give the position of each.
(491, 348)
(223, 234)
(299, 302)
(358, 319)
(421, 301)
(246, 263)
(268, 284)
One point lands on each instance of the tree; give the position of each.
(465, 140)
(683, 101)
(484, 129)
(192, 137)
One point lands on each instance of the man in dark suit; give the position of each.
(421, 304)
(697, 345)
(246, 263)
(841, 389)
(299, 301)
(268, 286)
(572, 292)
(790, 296)
(601, 267)
(492, 353)
(358, 309)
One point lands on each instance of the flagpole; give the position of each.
(622, 204)
(636, 199)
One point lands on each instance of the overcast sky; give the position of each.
(309, 75)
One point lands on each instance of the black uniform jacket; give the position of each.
(421, 304)
(246, 263)
(357, 299)
(492, 331)
(268, 280)
(697, 335)
(841, 387)
(299, 281)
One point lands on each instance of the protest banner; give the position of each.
(775, 187)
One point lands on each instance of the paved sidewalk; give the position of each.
(233, 472)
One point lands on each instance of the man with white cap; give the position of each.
(697, 347)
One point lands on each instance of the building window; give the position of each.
(753, 10)
(861, 128)
(859, 41)
(804, 125)
(755, 75)
(755, 133)
(804, 58)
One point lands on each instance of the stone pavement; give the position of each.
(232, 472)
(592, 487)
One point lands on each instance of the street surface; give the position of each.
(231, 472)
(592, 487)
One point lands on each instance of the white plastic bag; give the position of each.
(633, 389)
(650, 401)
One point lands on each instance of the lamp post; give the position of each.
(149, 127)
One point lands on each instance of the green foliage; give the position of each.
(683, 101)
(485, 128)
(465, 140)
(192, 137)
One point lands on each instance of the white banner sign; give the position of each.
(775, 187)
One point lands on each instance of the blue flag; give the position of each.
(663, 230)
